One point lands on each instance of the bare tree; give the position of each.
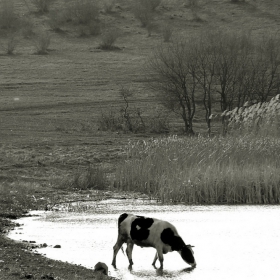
(207, 58)
(174, 70)
(266, 64)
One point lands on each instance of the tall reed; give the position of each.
(200, 170)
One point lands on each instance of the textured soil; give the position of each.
(19, 261)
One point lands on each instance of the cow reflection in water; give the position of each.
(150, 232)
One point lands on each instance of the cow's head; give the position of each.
(187, 255)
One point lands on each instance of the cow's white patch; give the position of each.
(137, 227)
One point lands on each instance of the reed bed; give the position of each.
(201, 170)
(261, 118)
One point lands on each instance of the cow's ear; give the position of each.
(190, 245)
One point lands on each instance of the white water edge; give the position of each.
(231, 242)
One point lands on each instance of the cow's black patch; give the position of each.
(187, 254)
(122, 217)
(140, 228)
(176, 242)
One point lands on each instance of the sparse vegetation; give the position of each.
(83, 11)
(27, 27)
(92, 178)
(167, 31)
(129, 118)
(56, 21)
(42, 43)
(10, 46)
(108, 6)
(110, 121)
(143, 11)
(8, 17)
(108, 39)
(43, 6)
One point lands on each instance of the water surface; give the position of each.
(231, 242)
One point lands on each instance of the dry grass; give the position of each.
(202, 170)
(257, 119)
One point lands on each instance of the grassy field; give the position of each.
(50, 104)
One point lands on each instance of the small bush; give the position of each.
(56, 20)
(27, 27)
(111, 120)
(108, 39)
(42, 42)
(10, 46)
(167, 31)
(12, 43)
(193, 3)
(92, 178)
(150, 4)
(158, 123)
(43, 6)
(83, 11)
(108, 6)
(8, 16)
(143, 13)
(94, 28)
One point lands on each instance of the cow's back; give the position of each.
(145, 231)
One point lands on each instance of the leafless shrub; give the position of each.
(42, 42)
(111, 120)
(150, 4)
(94, 28)
(27, 27)
(158, 122)
(143, 13)
(8, 16)
(129, 118)
(10, 45)
(43, 6)
(82, 11)
(193, 3)
(108, 6)
(92, 178)
(167, 31)
(108, 39)
(56, 20)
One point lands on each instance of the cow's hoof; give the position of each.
(130, 267)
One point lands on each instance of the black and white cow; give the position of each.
(150, 232)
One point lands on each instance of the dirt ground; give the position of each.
(19, 261)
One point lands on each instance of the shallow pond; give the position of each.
(231, 242)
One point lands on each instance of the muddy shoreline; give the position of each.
(18, 260)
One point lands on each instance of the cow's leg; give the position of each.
(155, 259)
(116, 248)
(129, 252)
(160, 257)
